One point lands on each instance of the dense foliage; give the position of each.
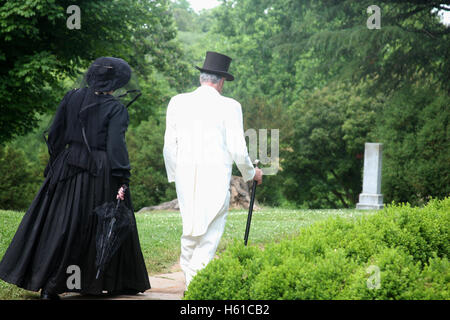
(38, 51)
(149, 179)
(18, 180)
(326, 159)
(40, 58)
(308, 55)
(311, 69)
(339, 259)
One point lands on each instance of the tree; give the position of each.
(411, 45)
(148, 176)
(324, 165)
(416, 151)
(38, 51)
(184, 15)
(290, 51)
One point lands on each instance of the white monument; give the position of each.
(371, 197)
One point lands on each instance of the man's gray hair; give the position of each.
(209, 77)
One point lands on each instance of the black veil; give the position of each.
(129, 93)
(108, 74)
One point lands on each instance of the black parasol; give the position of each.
(115, 222)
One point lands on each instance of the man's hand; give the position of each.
(258, 175)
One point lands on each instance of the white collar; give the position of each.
(207, 88)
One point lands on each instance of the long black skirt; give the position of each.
(59, 231)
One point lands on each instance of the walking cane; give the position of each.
(250, 208)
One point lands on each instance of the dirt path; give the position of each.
(166, 286)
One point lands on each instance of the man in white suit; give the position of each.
(204, 135)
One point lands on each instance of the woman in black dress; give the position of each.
(88, 165)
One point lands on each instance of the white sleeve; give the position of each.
(170, 143)
(236, 142)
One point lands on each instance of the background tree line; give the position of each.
(309, 68)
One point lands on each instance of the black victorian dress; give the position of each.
(86, 169)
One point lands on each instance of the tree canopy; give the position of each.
(38, 53)
(339, 83)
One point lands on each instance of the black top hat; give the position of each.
(217, 63)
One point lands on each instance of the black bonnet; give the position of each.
(108, 73)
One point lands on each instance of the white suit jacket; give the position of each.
(204, 135)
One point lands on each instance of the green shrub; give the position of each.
(435, 280)
(405, 249)
(398, 275)
(19, 182)
(301, 278)
(231, 272)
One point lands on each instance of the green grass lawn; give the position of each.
(160, 233)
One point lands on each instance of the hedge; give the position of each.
(400, 252)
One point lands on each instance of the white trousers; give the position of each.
(198, 251)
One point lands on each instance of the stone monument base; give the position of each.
(370, 201)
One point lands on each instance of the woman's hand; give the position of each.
(121, 194)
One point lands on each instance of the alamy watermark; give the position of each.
(74, 278)
(74, 20)
(274, 159)
(374, 280)
(374, 20)
(198, 146)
